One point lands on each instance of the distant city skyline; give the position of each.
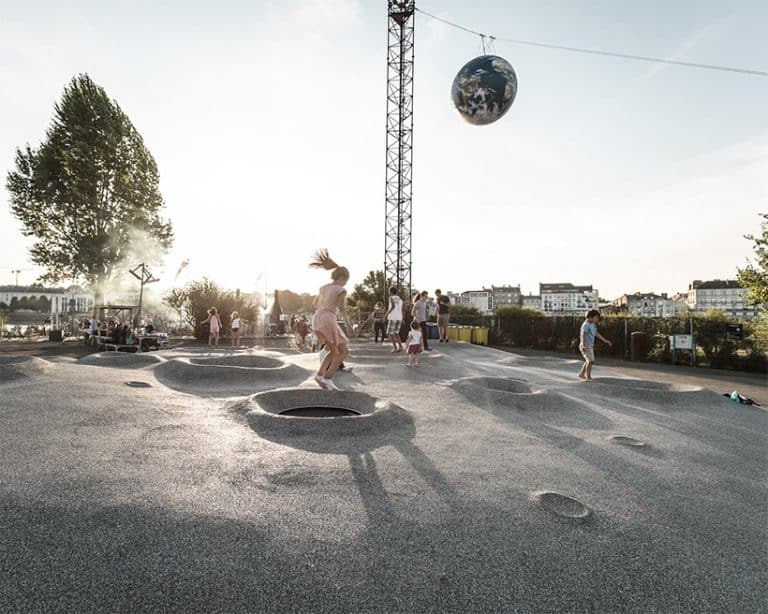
(267, 124)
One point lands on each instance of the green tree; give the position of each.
(204, 294)
(370, 291)
(466, 316)
(177, 299)
(755, 276)
(89, 193)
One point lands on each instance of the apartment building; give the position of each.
(532, 301)
(567, 299)
(647, 305)
(61, 300)
(505, 295)
(723, 294)
(481, 299)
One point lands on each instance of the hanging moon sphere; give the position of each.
(484, 89)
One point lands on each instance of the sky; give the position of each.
(267, 122)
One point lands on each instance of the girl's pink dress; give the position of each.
(324, 320)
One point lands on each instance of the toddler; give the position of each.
(413, 343)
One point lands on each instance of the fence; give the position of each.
(561, 334)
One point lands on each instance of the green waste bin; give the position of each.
(54, 335)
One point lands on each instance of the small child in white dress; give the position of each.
(413, 343)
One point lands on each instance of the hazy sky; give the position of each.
(267, 123)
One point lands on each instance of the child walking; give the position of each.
(587, 343)
(414, 344)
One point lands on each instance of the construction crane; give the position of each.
(397, 225)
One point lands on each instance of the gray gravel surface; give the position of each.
(496, 483)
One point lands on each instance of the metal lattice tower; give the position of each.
(397, 241)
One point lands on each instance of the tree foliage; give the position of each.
(466, 315)
(755, 276)
(89, 193)
(198, 296)
(371, 290)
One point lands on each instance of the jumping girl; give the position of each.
(331, 300)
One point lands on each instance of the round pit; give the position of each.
(323, 420)
(319, 412)
(562, 505)
(627, 441)
(508, 385)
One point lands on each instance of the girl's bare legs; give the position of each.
(397, 346)
(325, 365)
(210, 339)
(339, 353)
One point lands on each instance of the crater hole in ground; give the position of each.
(320, 412)
(627, 441)
(562, 505)
(500, 384)
(138, 384)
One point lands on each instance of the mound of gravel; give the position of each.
(15, 368)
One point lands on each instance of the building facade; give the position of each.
(532, 301)
(680, 304)
(505, 295)
(60, 300)
(723, 294)
(480, 299)
(567, 299)
(647, 305)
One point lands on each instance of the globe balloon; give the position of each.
(484, 89)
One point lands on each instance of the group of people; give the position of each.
(330, 305)
(390, 321)
(331, 315)
(215, 327)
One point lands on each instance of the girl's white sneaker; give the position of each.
(329, 384)
(321, 381)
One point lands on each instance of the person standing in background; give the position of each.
(235, 326)
(419, 313)
(443, 311)
(394, 319)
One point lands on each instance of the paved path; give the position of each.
(496, 483)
